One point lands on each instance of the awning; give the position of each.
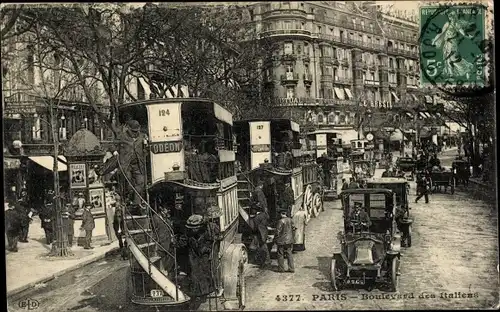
(397, 135)
(423, 115)
(414, 96)
(48, 162)
(349, 94)
(409, 115)
(339, 93)
(427, 114)
(395, 96)
(428, 99)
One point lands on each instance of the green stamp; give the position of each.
(452, 46)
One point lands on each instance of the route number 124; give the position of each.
(163, 112)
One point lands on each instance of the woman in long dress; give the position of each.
(448, 40)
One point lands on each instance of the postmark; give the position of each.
(454, 49)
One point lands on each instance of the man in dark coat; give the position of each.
(24, 211)
(119, 225)
(284, 240)
(12, 227)
(259, 198)
(199, 243)
(88, 224)
(69, 223)
(47, 218)
(259, 224)
(132, 157)
(287, 199)
(423, 188)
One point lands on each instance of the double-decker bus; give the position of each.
(190, 166)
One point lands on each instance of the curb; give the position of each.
(52, 276)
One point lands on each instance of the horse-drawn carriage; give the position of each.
(407, 166)
(461, 169)
(442, 177)
(369, 246)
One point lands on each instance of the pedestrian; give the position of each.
(259, 198)
(353, 184)
(423, 188)
(287, 199)
(345, 185)
(212, 216)
(259, 224)
(284, 241)
(24, 213)
(69, 223)
(299, 233)
(88, 224)
(12, 226)
(199, 244)
(47, 218)
(119, 225)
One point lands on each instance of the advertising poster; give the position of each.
(93, 178)
(96, 198)
(77, 175)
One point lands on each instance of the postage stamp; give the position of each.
(453, 46)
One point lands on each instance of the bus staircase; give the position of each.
(245, 188)
(152, 285)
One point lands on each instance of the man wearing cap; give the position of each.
(24, 211)
(284, 240)
(88, 225)
(213, 230)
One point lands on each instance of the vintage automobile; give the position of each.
(461, 171)
(401, 188)
(367, 167)
(369, 252)
(407, 165)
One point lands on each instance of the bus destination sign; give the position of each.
(166, 147)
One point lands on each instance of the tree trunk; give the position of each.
(60, 245)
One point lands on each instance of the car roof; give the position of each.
(367, 191)
(387, 180)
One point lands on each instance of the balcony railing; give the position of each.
(311, 102)
(288, 57)
(326, 59)
(285, 32)
(289, 78)
(284, 13)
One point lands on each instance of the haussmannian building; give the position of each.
(338, 60)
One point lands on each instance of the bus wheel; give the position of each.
(241, 291)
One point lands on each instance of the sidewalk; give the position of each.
(31, 265)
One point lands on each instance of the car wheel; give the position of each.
(395, 274)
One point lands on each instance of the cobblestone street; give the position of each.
(454, 252)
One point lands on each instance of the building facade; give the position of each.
(339, 60)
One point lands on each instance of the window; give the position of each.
(290, 92)
(288, 25)
(354, 21)
(31, 64)
(36, 129)
(308, 91)
(331, 31)
(319, 29)
(285, 5)
(360, 38)
(364, 76)
(391, 63)
(288, 48)
(251, 14)
(306, 48)
(331, 118)
(363, 24)
(329, 70)
(289, 69)
(311, 10)
(306, 69)
(320, 118)
(302, 25)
